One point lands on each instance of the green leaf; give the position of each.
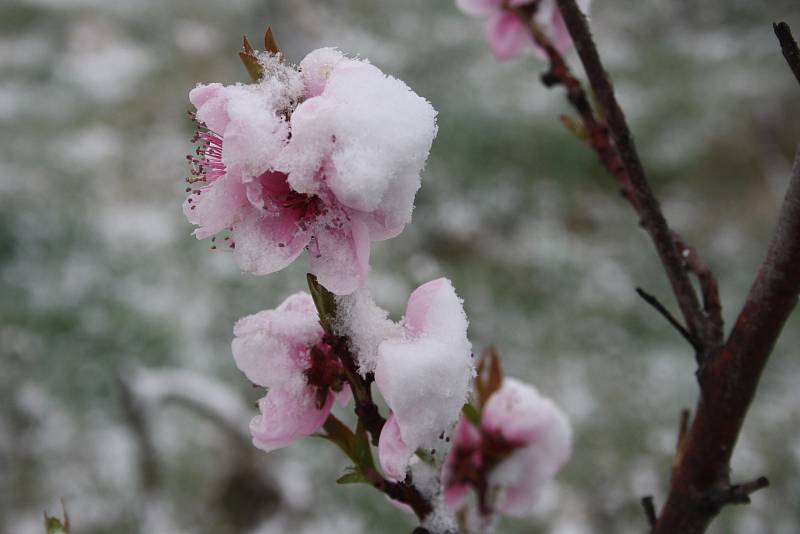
(353, 475)
(472, 415)
(338, 433)
(53, 525)
(361, 448)
(325, 302)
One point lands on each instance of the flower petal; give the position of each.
(522, 415)
(216, 207)
(435, 309)
(287, 416)
(506, 35)
(393, 453)
(267, 242)
(340, 257)
(425, 383)
(271, 346)
(211, 102)
(316, 67)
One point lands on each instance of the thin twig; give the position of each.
(713, 332)
(652, 218)
(789, 47)
(660, 308)
(559, 73)
(650, 510)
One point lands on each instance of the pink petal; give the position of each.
(271, 347)
(344, 397)
(211, 103)
(520, 414)
(316, 67)
(267, 242)
(286, 417)
(216, 207)
(506, 35)
(300, 302)
(393, 453)
(420, 302)
(479, 7)
(455, 495)
(340, 257)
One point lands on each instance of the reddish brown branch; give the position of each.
(729, 379)
(597, 134)
(365, 407)
(713, 326)
(652, 218)
(729, 375)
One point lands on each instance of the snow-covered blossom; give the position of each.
(506, 32)
(283, 350)
(324, 157)
(522, 442)
(423, 375)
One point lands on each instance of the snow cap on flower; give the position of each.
(329, 175)
(507, 34)
(424, 376)
(529, 435)
(283, 351)
(365, 138)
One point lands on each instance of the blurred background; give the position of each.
(118, 393)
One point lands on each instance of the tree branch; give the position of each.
(728, 381)
(728, 374)
(655, 303)
(789, 47)
(652, 218)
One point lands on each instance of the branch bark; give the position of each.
(729, 374)
(789, 47)
(729, 380)
(652, 218)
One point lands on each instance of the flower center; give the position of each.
(324, 372)
(206, 165)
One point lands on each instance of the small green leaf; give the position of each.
(472, 415)
(338, 433)
(361, 448)
(353, 475)
(324, 301)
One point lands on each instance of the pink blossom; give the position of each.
(522, 442)
(507, 34)
(329, 175)
(424, 375)
(283, 350)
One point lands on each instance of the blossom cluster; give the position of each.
(326, 157)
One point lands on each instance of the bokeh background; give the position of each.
(118, 393)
